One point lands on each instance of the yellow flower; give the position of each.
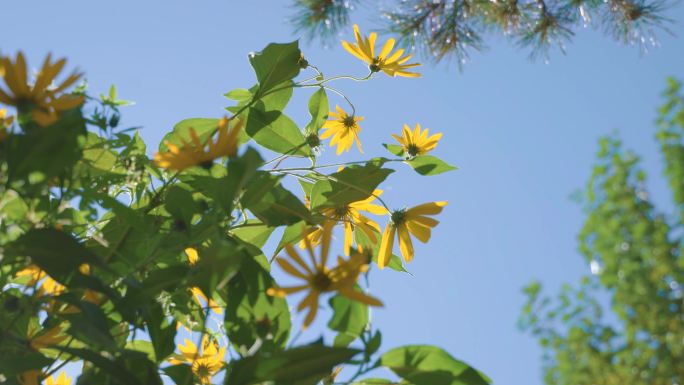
(46, 339)
(344, 129)
(390, 63)
(192, 255)
(204, 365)
(196, 153)
(351, 219)
(5, 121)
(32, 377)
(61, 380)
(43, 100)
(48, 286)
(417, 143)
(197, 293)
(412, 221)
(320, 279)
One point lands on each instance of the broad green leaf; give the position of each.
(275, 64)
(204, 128)
(162, 331)
(217, 265)
(302, 365)
(143, 347)
(275, 131)
(349, 317)
(429, 165)
(223, 190)
(253, 232)
(274, 205)
(239, 94)
(291, 235)
(352, 184)
(373, 344)
(430, 365)
(90, 325)
(253, 315)
(318, 108)
(394, 149)
(57, 253)
(45, 152)
(180, 374)
(181, 205)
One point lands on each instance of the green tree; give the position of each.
(453, 28)
(623, 324)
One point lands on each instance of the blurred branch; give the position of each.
(444, 29)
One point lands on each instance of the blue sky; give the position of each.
(524, 135)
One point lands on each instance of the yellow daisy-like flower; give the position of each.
(5, 121)
(43, 100)
(319, 279)
(32, 377)
(417, 142)
(352, 219)
(197, 293)
(408, 222)
(48, 338)
(390, 63)
(202, 154)
(48, 286)
(204, 365)
(61, 380)
(344, 129)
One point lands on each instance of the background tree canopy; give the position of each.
(623, 324)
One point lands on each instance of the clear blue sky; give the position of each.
(523, 133)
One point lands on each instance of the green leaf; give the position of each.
(143, 347)
(253, 315)
(275, 64)
(275, 131)
(352, 184)
(269, 201)
(430, 365)
(180, 374)
(304, 365)
(429, 165)
(55, 252)
(180, 204)
(47, 151)
(223, 190)
(253, 232)
(239, 94)
(217, 265)
(349, 317)
(373, 344)
(394, 149)
(292, 234)
(203, 127)
(318, 108)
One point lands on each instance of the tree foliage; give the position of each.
(137, 270)
(623, 324)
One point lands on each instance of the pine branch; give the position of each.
(445, 29)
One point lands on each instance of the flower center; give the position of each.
(376, 65)
(202, 370)
(321, 282)
(412, 150)
(349, 121)
(341, 212)
(207, 164)
(398, 217)
(313, 140)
